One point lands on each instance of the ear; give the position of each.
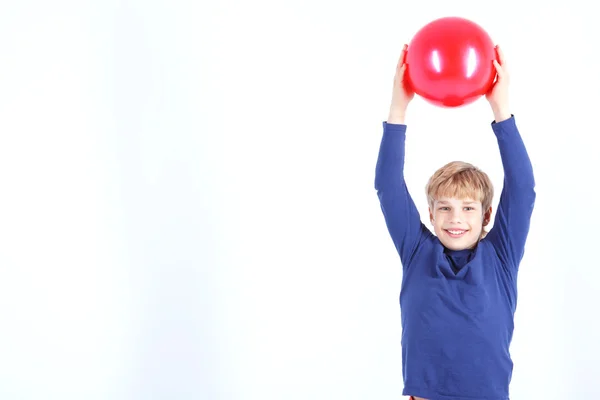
(430, 216)
(487, 216)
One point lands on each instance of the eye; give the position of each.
(444, 208)
(469, 208)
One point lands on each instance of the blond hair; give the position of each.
(460, 180)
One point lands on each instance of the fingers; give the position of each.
(402, 58)
(501, 58)
(498, 67)
(401, 72)
(499, 70)
(399, 76)
(500, 64)
(500, 54)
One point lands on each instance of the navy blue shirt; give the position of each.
(457, 307)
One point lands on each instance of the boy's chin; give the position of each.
(456, 248)
(458, 245)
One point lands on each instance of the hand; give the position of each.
(498, 94)
(402, 94)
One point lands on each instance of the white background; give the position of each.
(187, 207)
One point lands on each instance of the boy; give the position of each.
(459, 286)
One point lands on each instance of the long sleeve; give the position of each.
(401, 215)
(512, 221)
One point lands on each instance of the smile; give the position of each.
(456, 233)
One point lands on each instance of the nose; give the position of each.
(456, 216)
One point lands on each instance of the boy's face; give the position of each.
(458, 222)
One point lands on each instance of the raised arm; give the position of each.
(401, 215)
(517, 199)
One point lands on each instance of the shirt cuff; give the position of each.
(394, 127)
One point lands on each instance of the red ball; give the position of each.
(450, 62)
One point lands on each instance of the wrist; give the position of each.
(501, 113)
(396, 117)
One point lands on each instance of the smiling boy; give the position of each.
(459, 286)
